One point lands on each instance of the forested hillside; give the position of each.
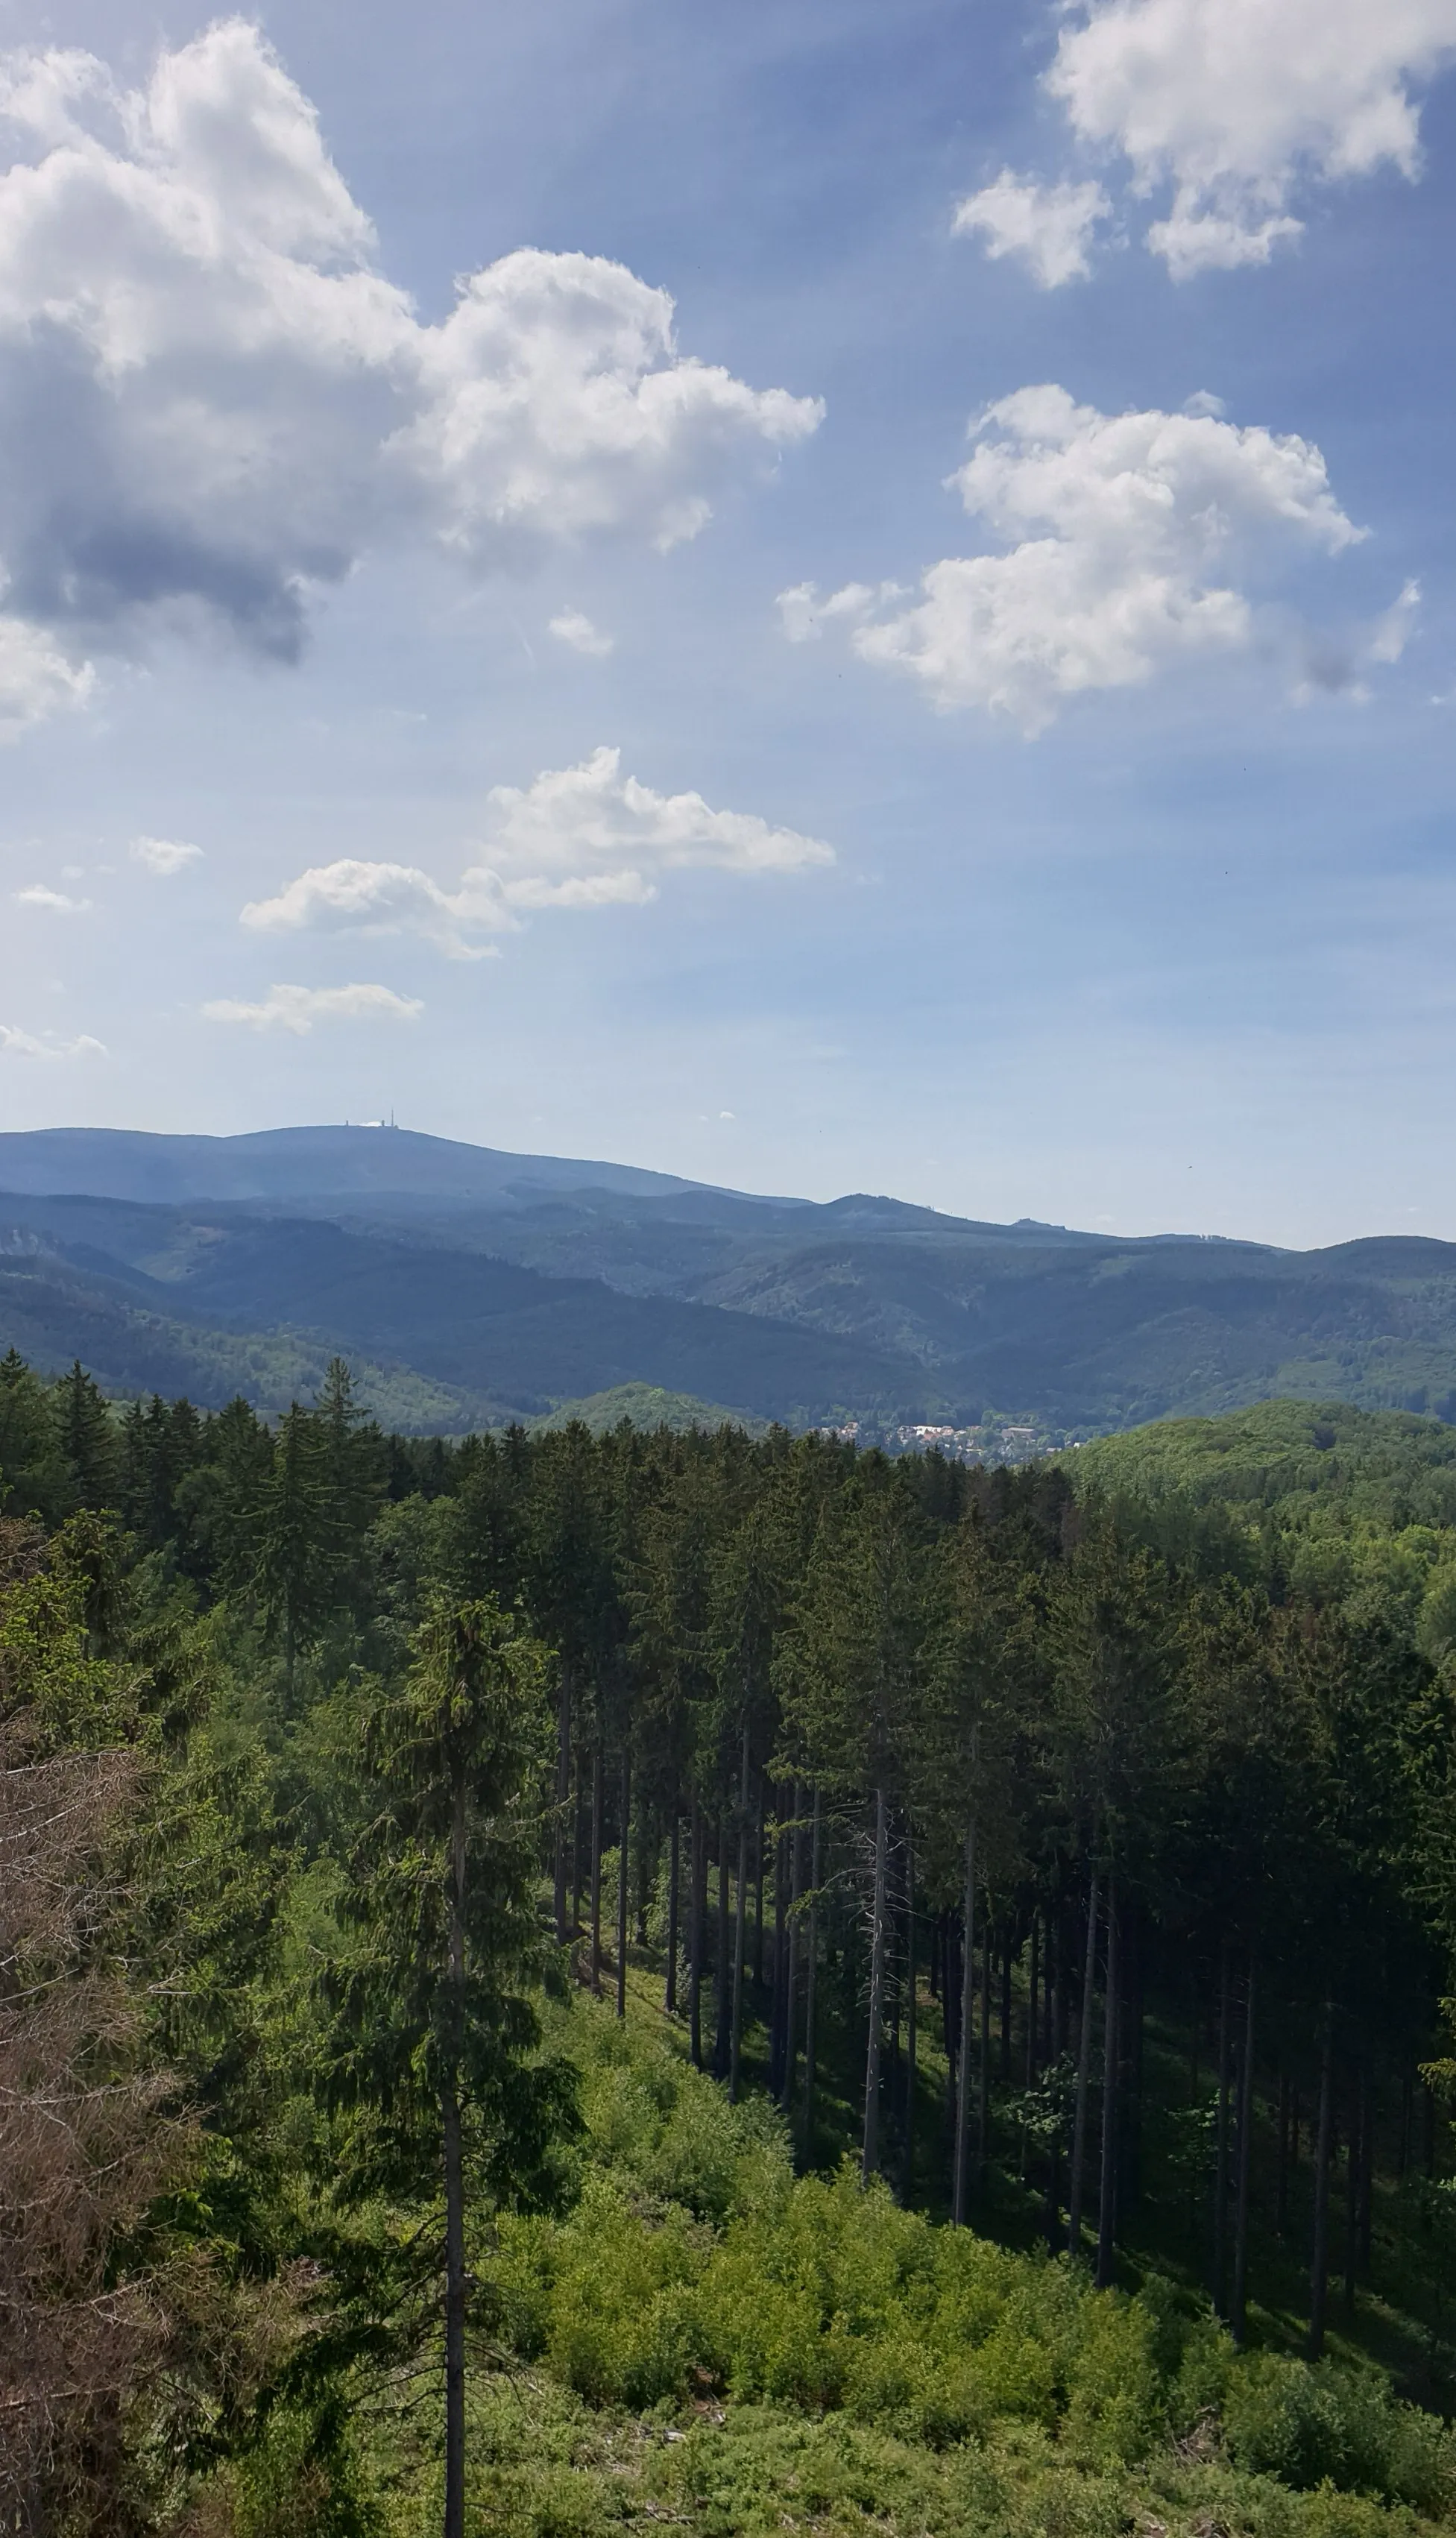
(557, 1982)
(469, 1287)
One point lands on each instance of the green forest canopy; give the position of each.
(722, 1859)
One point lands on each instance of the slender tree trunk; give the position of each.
(564, 1799)
(648, 1856)
(1319, 2270)
(1367, 2169)
(596, 1869)
(1005, 2010)
(624, 1856)
(735, 2041)
(1238, 2313)
(1220, 2143)
(724, 1988)
(952, 1987)
(454, 2179)
(1282, 2186)
(1083, 2074)
(1351, 2191)
(1112, 2057)
(1403, 2146)
(759, 1895)
(983, 2108)
(576, 1847)
(697, 1881)
(669, 1989)
(791, 1966)
(960, 2183)
(1033, 1983)
(780, 2024)
(907, 2175)
(869, 2151)
(811, 1988)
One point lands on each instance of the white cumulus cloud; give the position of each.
(579, 633)
(1128, 539)
(577, 836)
(1048, 227)
(38, 893)
(14, 1043)
(350, 896)
(212, 401)
(298, 1009)
(163, 856)
(1237, 104)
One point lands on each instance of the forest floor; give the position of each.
(1399, 2311)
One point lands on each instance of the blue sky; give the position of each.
(1103, 876)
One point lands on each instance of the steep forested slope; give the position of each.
(863, 1997)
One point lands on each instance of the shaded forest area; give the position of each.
(916, 1845)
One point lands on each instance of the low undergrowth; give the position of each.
(706, 2341)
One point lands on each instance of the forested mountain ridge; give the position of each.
(500, 1285)
(951, 1847)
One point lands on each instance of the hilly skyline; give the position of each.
(470, 1286)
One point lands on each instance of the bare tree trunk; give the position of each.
(1281, 2184)
(1005, 2010)
(791, 1968)
(735, 2041)
(960, 2182)
(811, 2027)
(576, 1845)
(698, 1880)
(669, 1989)
(723, 2003)
(1033, 1979)
(624, 1856)
(1083, 2074)
(1220, 2143)
(563, 1798)
(1403, 2146)
(454, 2180)
(596, 1868)
(1352, 2188)
(912, 2022)
(1238, 2311)
(869, 2151)
(1366, 2166)
(1319, 2269)
(778, 2027)
(984, 2107)
(1112, 2057)
(759, 1896)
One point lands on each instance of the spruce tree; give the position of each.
(435, 2036)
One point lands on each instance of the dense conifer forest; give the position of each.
(558, 1983)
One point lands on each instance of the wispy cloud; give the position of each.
(298, 1009)
(48, 1045)
(579, 635)
(163, 856)
(38, 893)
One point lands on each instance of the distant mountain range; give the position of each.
(471, 1286)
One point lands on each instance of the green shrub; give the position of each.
(301, 2481)
(1335, 2427)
